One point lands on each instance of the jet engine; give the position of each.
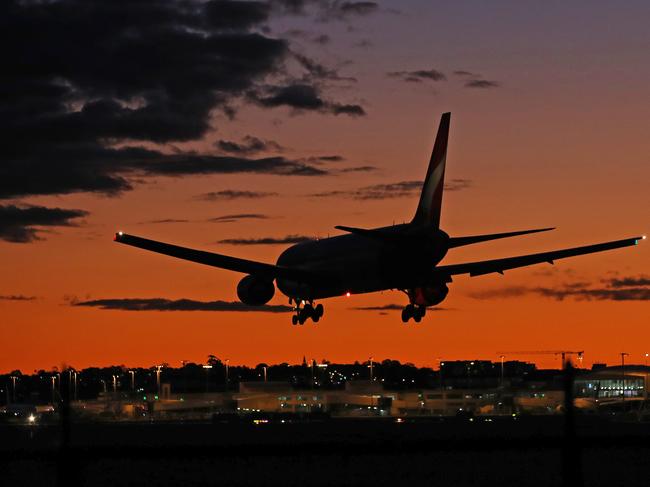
(429, 295)
(255, 291)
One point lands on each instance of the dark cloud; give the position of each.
(330, 158)
(88, 81)
(359, 169)
(317, 72)
(162, 304)
(289, 239)
(337, 10)
(238, 217)
(233, 194)
(618, 289)
(481, 83)
(391, 307)
(618, 282)
(249, 145)
(302, 97)
(22, 224)
(460, 72)
(418, 76)
(16, 297)
(401, 189)
(505, 292)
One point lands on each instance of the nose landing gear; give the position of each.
(307, 311)
(413, 311)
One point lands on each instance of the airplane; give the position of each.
(401, 257)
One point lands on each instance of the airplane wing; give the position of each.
(215, 260)
(501, 265)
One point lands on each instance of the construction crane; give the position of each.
(563, 353)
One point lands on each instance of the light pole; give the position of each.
(13, 389)
(132, 372)
(646, 359)
(370, 360)
(502, 374)
(227, 363)
(53, 387)
(440, 364)
(207, 377)
(158, 369)
(114, 384)
(74, 390)
(623, 354)
(264, 373)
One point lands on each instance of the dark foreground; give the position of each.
(454, 452)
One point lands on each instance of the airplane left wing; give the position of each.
(216, 260)
(501, 265)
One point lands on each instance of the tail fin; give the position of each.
(428, 212)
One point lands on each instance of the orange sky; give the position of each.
(563, 141)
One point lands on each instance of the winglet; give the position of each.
(428, 212)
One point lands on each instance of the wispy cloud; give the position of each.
(418, 76)
(16, 297)
(481, 83)
(162, 304)
(233, 194)
(392, 307)
(289, 239)
(614, 289)
(402, 189)
(238, 217)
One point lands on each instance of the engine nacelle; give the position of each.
(429, 295)
(255, 291)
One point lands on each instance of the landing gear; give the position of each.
(413, 311)
(307, 311)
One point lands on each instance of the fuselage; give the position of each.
(402, 257)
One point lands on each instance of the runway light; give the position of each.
(31, 418)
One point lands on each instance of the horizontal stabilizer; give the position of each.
(460, 241)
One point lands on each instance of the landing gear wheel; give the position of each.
(294, 320)
(407, 313)
(319, 310)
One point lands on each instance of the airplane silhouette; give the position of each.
(402, 257)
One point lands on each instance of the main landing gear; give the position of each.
(413, 311)
(307, 311)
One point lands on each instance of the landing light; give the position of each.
(347, 295)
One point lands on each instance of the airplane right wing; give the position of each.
(501, 265)
(216, 260)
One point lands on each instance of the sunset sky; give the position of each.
(215, 124)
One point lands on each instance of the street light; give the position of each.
(132, 372)
(207, 377)
(158, 369)
(370, 359)
(114, 384)
(264, 367)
